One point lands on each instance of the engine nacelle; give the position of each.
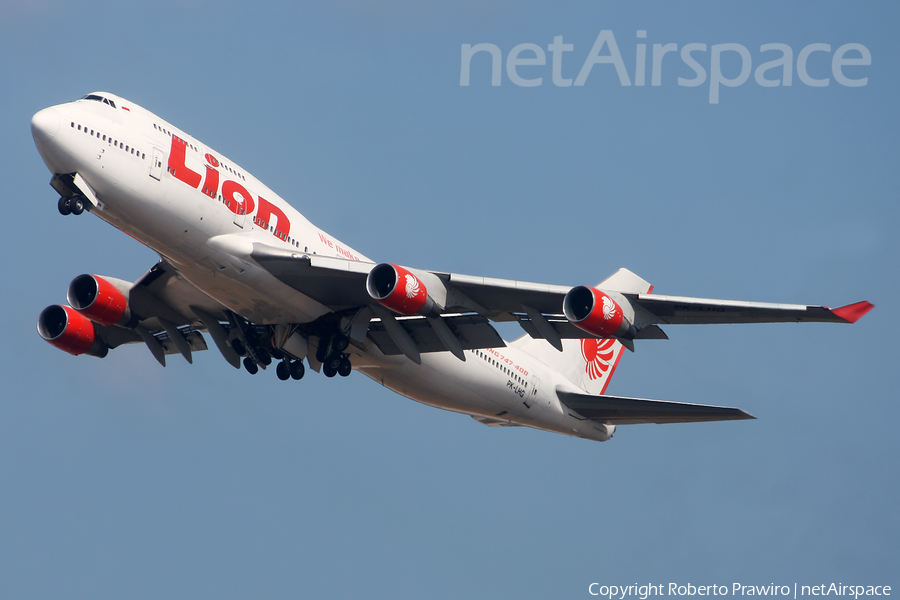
(103, 300)
(69, 330)
(599, 313)
(399, 290)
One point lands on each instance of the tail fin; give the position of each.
(588, 363)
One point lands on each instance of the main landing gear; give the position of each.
(338, 365)
(74, 205)
(257, 345)
(290, 370)
(285, 369)
(331, 355)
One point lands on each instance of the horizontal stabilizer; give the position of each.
(616, 410)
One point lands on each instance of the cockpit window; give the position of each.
(97, 98)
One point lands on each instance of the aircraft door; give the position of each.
(531, 395)
(239, 216)
(156, 163)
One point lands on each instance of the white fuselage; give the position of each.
(202, 212)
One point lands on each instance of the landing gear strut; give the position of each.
(331, 347)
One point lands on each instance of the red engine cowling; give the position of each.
(398, 289)
(69, 330)
(99, 299)
(598, 313)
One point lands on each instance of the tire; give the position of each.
(263, 357)
(344, 368)
(340, 343)
(251, 366)
(64, 206)
(297, 369)
(320, 353)
(328, 370)
(276, 354)
(238, 346)
(283, 371)
(77, 205)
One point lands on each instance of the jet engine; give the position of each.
(599, 313)
(103, 300)
(69, 330)
(399, 290)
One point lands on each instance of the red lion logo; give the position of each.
(597, 354)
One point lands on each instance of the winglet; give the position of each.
(853, 312)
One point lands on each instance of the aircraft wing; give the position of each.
(697, 311)
(616, 410)
(341, 284)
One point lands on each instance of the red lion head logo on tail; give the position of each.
(597, 354)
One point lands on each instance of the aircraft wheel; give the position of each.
(77, 205)
(238, 346)
(329, 370)
(276, 354)
(64, 205)
(283, 371)
(297, 369)
(340, 343)
(251, 366)
(344, 368)
(321, 353)
(264, 357)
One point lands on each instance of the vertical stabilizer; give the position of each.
(588, 363)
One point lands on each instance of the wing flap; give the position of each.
(617, 410)
(473, 331)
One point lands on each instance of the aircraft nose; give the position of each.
(44, 124)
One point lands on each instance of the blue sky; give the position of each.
(123, 479)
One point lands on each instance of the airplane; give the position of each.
(241, 264)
